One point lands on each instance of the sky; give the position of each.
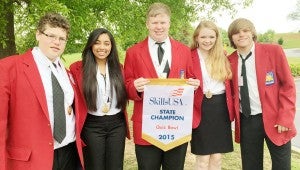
(266, 15)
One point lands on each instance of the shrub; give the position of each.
(280, 41)
(295, 70)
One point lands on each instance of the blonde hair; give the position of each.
(158, 8)
(216, 62)
(240, 24)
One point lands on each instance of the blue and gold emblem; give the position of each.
(270, 78)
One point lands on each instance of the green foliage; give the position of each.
(225, 38)
(266, 37)
(294, 63)
(280, 41)
(295, 70)
(124, 18)
(5, 8)
(26, 18)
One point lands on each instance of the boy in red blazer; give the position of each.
(141, 63)
(29, 135)
(264, 98)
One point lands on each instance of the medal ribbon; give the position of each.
(105, 90)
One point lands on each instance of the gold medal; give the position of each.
(70, 110)
(163, 76)
(208, 94)
(105, 108)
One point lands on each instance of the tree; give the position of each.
(7, 38)
(267, 36)
(125, 18)
(296, 14)
(225, 38)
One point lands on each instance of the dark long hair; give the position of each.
(89, 64)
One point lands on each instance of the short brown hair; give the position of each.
(240, 24)
(53, 20)
(158, 8)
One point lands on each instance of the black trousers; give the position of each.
(105, 140)
(252, 146)
(152, 158)
(66, 158)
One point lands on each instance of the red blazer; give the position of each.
(138, 63)
(198, 97)
(76, 70)
(277, 100)
(26, 140)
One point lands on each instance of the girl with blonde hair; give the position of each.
(213, 100)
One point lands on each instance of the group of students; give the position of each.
(96, 91)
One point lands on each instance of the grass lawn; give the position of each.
(294, 60)
(290, 40)
(68, 59)
(231, 161)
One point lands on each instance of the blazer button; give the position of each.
(48, 124)
(50, 143)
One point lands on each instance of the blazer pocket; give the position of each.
(20, 154)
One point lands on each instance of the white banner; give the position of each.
(167, 112)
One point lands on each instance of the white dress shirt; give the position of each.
(153, 53)
(209, 84)
(102, 88)
(255, 103)
(45, 66)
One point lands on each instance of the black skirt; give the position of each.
(214, 134)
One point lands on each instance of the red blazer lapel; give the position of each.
(197, 68)
(77, 73)
(144, 55)
(74, 86)
(234, 63)
(175, 59)
(181, 59)
(34, 78)
(261, 60)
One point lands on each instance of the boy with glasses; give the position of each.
(37, 122)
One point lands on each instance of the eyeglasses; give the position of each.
(54, 37)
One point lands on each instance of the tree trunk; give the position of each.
(9, 46)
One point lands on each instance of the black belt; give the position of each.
(215, 95)
(251, 116)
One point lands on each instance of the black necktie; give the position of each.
(160, 51)
(58, 110)
(245, 100)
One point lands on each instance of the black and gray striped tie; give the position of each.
(58, 110)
